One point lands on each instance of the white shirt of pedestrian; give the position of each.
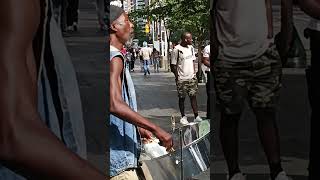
(145, 52)
(185, 65)
(206, 54)
(314, 24)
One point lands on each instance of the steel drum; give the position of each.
(192, 146)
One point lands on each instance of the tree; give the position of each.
(180, 16)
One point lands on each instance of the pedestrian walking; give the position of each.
(312, 73)
(128, 57)
(313, 33)
(72, 15)
(209, 80)
(247, 68)
(145, 53)
(126, 125)
(183, 68)
(100, 8)
(156, 59)
(42, 130)
(133, 59)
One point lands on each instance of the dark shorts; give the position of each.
(187, 87)
(257, 82)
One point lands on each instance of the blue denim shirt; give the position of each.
(124, 137)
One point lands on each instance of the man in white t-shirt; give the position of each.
(145, 53)
(247, 71)
(183, 67)
(209, 78)
(312, 74)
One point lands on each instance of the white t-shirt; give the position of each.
(314, 24)
(206, 53)
(145, 52)
(185, 65)
(242, 29)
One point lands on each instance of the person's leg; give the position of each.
(64, 15)
(230, 141)
(194, 105)
(145, 66)
(148, 67)
(181, 89)
(142, 67)
(208, 95)
(181, 106)
(192, 90)
(231, 97)
(314, 97)
(75, 9)
(269, 137)
(264, 95)
(69, 13)
(100, 13)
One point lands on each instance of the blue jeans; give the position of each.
(156, 64)
(146, 66)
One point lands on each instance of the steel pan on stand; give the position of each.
(190, 158)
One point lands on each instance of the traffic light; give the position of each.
(147, 28)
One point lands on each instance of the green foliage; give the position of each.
(179, 16)
(139, 33)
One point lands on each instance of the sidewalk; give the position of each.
(87, 51)
(157, 100)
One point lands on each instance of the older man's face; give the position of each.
(124, 28)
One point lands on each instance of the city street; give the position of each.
(157, 100)
(87, 49)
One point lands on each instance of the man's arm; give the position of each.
(214, 42)
(269, 18)
(27, 145)
(284, 38)
(173, 64)
(311, 7)
(206, 57)
(120, 109)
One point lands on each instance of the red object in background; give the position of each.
(123, 51)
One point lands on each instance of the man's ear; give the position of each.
(113, 27)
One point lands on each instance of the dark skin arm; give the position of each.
(286, 23)
(269, 18)
(214, 47)
(27, 145)
(173, 67)
(120, 108)
(206, 61)
(310, 7)
(174, 71)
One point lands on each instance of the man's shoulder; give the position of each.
(177, 47)
(207, 49)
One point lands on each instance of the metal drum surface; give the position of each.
(194, 150)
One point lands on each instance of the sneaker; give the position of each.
(237, 176)
(283, 176)
(184, 120)
(198, 119)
